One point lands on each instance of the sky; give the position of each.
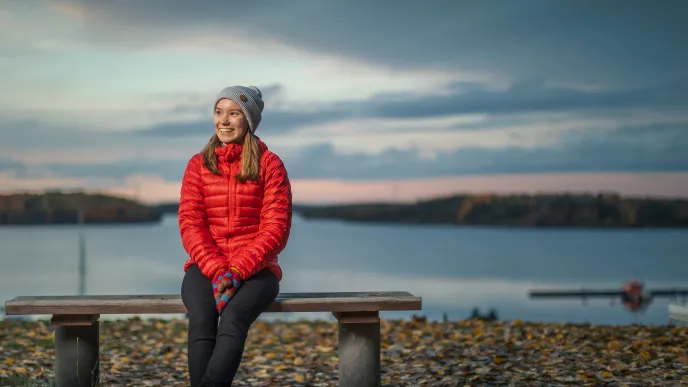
(363, 100)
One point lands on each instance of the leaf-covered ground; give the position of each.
(138, 352)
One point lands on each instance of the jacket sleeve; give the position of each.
(275, 222)
(193, 223)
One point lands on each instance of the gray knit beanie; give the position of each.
(249, 99)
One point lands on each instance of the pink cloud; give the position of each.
(154, 189)
(629, 184)
(74, 11)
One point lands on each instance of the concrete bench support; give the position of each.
(359, 349)
(77, 349)
(77, 329)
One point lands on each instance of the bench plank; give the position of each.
(172, 303)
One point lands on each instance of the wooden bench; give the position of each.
(77, 347)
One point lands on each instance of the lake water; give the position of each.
(453, 269)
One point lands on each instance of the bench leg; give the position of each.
(77, 350)
(359, 349)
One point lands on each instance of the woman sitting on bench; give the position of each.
(234, 219)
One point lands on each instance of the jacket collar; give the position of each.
(232, 152)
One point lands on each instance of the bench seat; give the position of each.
(163, 303)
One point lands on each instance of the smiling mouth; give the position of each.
(226, 130)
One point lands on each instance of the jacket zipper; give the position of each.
(230, 225)
(231, 200)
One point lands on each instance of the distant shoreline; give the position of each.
(56, 208)
(550, 211)
(538, 211)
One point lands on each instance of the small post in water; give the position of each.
(82, 255)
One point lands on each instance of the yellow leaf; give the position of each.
(9, 361)
(262, 372)
(607, 375)
(299, 378)
(613, 345)
(645, 355)
(584, 377)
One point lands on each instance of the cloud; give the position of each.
(275, 120)
(584, 42)
(662, 184)
(170, 169)
(7, 164)
(532, 96)
(37, 142)
(526, 116)
(527, 96)
(641, 148)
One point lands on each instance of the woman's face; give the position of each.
(231, 124)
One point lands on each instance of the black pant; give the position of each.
(215, 350)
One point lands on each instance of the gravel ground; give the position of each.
(137, 352)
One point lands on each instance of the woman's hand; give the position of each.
(225, 285)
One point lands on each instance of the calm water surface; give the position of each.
(453, 269)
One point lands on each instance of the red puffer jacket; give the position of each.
(224, 223)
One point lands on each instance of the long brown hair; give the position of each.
(250, 158)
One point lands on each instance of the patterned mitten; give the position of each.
(227, 285)
(221, 283)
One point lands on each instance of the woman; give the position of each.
(234, 219)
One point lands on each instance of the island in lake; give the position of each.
(66, 208)
(540, 210)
